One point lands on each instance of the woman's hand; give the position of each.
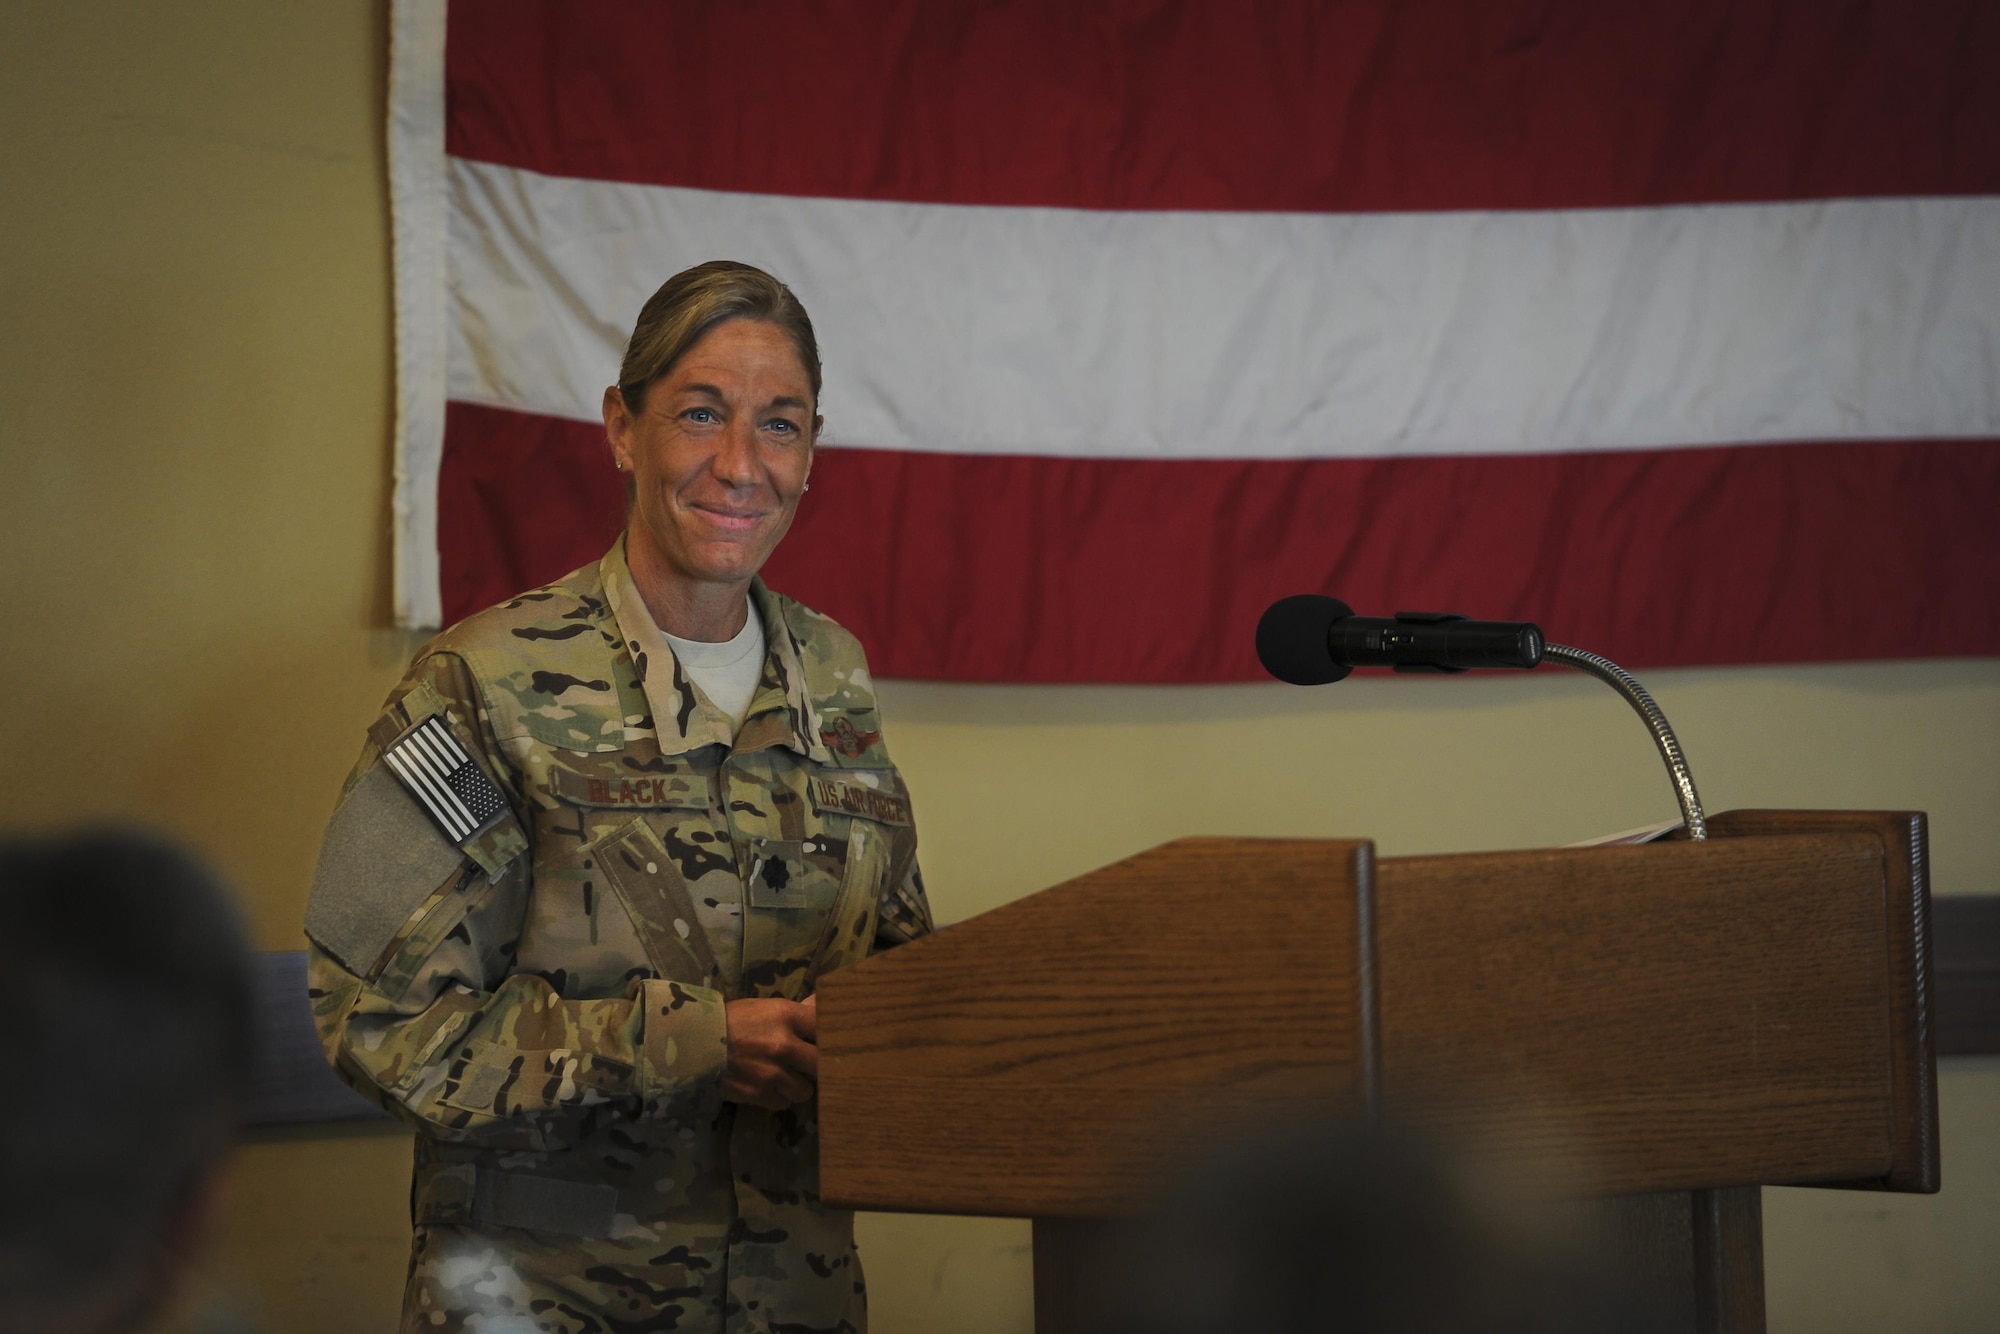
(773, 1062)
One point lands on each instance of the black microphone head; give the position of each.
(1292, 639)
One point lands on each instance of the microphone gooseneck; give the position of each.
(1626, 684)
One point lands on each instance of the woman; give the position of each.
(598, 848)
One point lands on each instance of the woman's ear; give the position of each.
(618, 428)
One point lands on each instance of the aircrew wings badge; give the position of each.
(846, 741)
(447, 782)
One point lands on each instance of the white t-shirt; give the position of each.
(726, 672)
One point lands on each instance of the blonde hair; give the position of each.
(694, 301)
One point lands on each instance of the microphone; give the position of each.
(1311, 640)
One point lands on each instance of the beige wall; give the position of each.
(194, 411)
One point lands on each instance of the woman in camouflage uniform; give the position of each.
(570, 912)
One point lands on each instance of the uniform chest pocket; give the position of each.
(811, 903)
(850, 830)
(849, 932)
(875, 809)
(652, 887)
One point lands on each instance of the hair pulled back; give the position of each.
(694, 301)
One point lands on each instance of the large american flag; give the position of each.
(1675, 328)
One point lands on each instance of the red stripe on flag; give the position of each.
(521, 500)
(987, 568)
(1302, 106)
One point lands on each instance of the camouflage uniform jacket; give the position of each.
(545, 998)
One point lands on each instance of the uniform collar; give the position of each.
(779, 714)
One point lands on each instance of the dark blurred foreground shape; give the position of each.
(1350, 1229)
(1650, 1032)
(125, 981)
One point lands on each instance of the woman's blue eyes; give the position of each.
(708, 417)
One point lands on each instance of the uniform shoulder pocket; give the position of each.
(382, 858)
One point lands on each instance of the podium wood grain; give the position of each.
(1048, 1057)
(1676, 1016)
(1905, 841)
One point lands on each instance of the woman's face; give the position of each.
(719, 455)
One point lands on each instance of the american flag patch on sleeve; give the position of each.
(445, 780)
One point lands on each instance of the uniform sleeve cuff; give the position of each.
(685, 1040)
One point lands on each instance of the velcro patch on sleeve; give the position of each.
(851, 798)
(383, 856)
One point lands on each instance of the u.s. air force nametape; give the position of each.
(445, 780)
(833, 794)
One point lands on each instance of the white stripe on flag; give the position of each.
(453, 751)
(403, 763)
(417, 224)
(1269, 335)
(430, 756)
(456, 819)
(427, 740)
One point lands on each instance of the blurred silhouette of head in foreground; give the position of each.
(125, 991)
(1354, 1229)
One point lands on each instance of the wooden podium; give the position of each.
(1661, 1028)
